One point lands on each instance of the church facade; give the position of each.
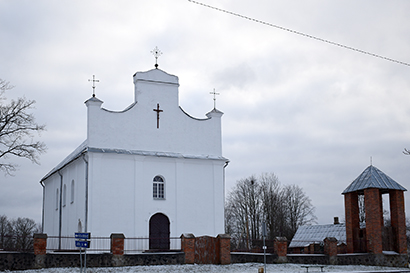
(150, 170)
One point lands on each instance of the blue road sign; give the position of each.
(82, 235)
(83, 244)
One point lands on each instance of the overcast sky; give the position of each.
(310, 112)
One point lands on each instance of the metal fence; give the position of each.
(103, 244)
(251, 245)
(16, 243)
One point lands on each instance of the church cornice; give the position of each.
(156, 154)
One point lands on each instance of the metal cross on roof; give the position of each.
(214, 93)
(156, 52)
(94, 81)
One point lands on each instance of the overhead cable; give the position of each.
(301, 33)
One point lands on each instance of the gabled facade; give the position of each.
(146, 171)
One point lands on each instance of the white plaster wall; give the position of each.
(51, 214)
(72, 211)
(121, 194)
(178, 132)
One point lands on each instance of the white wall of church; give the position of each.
(72, 199)
(177, 132)
(121, 197)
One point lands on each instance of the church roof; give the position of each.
(306, 235)
(372, 177)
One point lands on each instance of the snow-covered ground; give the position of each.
(233, 268)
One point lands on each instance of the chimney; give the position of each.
(336, 220)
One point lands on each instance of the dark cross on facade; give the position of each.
(214, 93)
(94, 81)
(156, 53)
(158, 111)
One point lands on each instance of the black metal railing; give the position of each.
(103, 244)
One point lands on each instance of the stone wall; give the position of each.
(373, 259)
(308, 258)
(340, 259)
(23, 261)
(242, 257)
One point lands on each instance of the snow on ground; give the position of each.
(233, 268)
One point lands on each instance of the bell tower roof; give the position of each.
(372, 177)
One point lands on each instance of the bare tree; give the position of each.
(6, 233)
(253, 201)
(24, 228)
(299, 209)
(244, 210)
(17, 126)
(273, 205)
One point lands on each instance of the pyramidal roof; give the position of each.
(372, 177)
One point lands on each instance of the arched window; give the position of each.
(158, 188)
(57, 199)
(72, 192)
(64, 195)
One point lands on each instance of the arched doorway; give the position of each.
(159, 232)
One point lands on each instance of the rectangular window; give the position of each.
(57, 197)
(72, 191)
(161, 191)
(155, 193)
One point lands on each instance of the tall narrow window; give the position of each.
(57, 197)
(158, 188)
(64, 195)
(72, 192)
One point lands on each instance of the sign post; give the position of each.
(83, 242)
(264, 233)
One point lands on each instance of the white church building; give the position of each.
(150, 171)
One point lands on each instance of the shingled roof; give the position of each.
(306, 235)
(372, 177)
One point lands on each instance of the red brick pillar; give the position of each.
(224, 244)
(330, 249)
(398, 220)
(40, 243)
(280, 246)
(117, 243)
(188, 247)
(352, 221)
(374, 213)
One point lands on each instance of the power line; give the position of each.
(301, 33)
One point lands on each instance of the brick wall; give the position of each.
(374, 223)
(117, 244)
(40, 243)
(398, 220)
(188, 247)
(352, 221)
(224, 246)
(280, 246)
(206, 249)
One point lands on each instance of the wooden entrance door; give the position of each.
(159, 232)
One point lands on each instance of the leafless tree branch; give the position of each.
(17, 128)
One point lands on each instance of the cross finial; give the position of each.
(156, 52)
(94, 81)
(214, 93)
